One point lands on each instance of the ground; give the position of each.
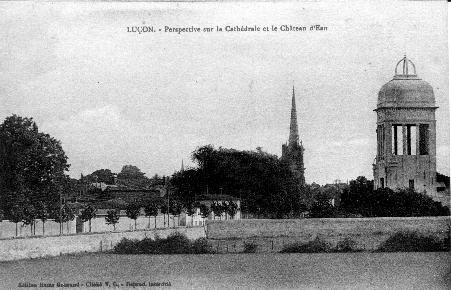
(226, 271)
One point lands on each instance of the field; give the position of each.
(225, 271)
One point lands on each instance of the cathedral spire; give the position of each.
(294, 135)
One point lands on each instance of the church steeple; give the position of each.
(294, 134)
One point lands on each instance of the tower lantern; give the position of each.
(405, 131)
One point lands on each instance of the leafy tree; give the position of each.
(175, 209)
(204, 211)
(29, 215)
(217, 209)
(151, 209)
(261, 178)
(322, 208)
(101, 175)
(232, 209)
(164, 210)
(190, 210)
(112, 217)
(87, 214)
(133, 211)
(67, 215)
(16, 214)
(132, 177)
(42, 213)
(2, 215)
(32, 163)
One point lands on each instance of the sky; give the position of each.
(114, 97)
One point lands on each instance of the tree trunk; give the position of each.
(67, 227)
(155, 221)
(43, 228)
(149, 223)
(16, 229)
(164, 220)
(135, 224)
(90, 225)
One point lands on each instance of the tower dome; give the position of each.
(406, 89)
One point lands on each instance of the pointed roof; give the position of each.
(294, 134)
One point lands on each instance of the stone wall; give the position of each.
(36, 247)
(368, 233)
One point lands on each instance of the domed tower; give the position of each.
(406, 132)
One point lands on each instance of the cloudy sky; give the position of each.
(116, 98)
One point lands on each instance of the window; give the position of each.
(382, 185)
(397, 139)
(411, 140)
(380, 139)
(424, 139)
(411, 184)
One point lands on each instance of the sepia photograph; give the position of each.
(224, 145)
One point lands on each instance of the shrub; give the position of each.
(126, 246)
(347, 245)
(175, 243)
(201, 246)
(412, 242)
(250, 248)
(315, 246)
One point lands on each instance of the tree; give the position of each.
(164, 210)
(232, 209)
(32, 163)
(67, 215)
(151, 209)
(261, 178)
(190, 210)
(217, 209)
(87, 214)
(133, 211)
(29, 215)
(16, 214)
(175, 209)
(132, 177)
(101, 175)
(204, 211)
(42, 214)
(112, 217)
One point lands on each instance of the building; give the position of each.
(208, 199)
(406, 132)
(293, 151)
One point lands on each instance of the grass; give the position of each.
(175, 243)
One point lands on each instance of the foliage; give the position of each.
(363, 200)
(232, 208)
(346, 246)
(322, 208)
(132, 177)
(412, 242)
(176, 243)
(265, 182)
(29, 214)
(204, 210)
(315, 246)
(42, 212)
(32, 163)
(112, 217)
(151, 208)
(250, 248)
(133, 211)
(87, 213)
(100, 175)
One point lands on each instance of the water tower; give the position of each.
(406, 132)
